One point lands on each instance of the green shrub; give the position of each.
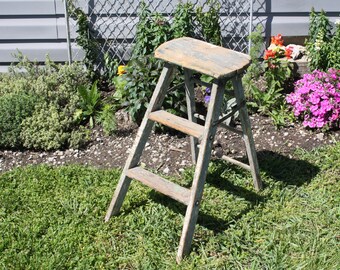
(209, 22)
(60, 86)
(334, 54)
(135, 87)
(141, 79)
(14, 84)
(183, 23)
(50, 123)
(49, 128)
(14, 109)
(152, 30)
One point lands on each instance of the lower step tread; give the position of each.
(160, 184)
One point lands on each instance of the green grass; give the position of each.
(52, 218)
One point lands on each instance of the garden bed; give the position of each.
(170, 154)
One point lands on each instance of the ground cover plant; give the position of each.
(50, 107)
(53, 218)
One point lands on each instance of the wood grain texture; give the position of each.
(140, 141)
(236, 162)
(247, 134)
(203, 57)
(178, 123)
(191, 109)
(160, 184)
(201, 169)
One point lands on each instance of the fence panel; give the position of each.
(114, 23)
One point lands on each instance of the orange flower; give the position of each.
(121, 70)
(269, 54)
(288, 52)
(277, 40)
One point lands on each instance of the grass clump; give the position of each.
(53, 218)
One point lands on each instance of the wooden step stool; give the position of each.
(221, 64)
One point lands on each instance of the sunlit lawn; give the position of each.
(52, 218)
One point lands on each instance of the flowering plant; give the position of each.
(277, 70)
(277, 49)
(121, 70)
(317, 99)
(323, 43)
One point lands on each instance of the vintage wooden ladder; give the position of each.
(221, 64)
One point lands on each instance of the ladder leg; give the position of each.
(201, 169)
(140, 141)
(191, 108)
(247, 133)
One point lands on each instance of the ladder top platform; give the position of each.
(203, 57)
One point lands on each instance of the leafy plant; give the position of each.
(183, 23)
(90, 103)
(106, 117)
(255, 69)
(264, 90)
(85, 38)
(318, 44)
(140, 81)
(46, 129)
(152, 30)
(49, 124)
(209, 22)
(134, 88)
(110, 67)
(317, 99)
(334, 50)
(14, 109)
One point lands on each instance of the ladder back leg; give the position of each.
(201, 169)
(247, 133)
(191, 109)
(140, 141)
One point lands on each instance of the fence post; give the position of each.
(67, 23)
(250, 24)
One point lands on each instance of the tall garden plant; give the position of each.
(134, 88)
(323, 42)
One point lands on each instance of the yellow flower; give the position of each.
(121, 70)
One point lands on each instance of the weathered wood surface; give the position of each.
(178, 123)
(160, 184)
(140, 141)
(236, 162)
(191, 109)
(247, 133)
(201, 169)
(203, 57)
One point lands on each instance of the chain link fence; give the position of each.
(113, 23)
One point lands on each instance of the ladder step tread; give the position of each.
(181, 124)
(160, 184)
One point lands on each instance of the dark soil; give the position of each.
(170, 154)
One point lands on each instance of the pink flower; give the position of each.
(316, 99)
